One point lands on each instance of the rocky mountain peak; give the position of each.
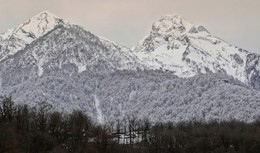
(175, 25)
(46, 13)
(41, 23)
(35, 27)
(175, 44)
(169, 29)
(17, 38)
(172, 23)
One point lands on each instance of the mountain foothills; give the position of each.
(179, 72)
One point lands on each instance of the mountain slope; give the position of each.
(163, 97)
(187, 49)
(157, 95)
(67, 51)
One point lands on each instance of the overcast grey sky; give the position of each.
(128, 21)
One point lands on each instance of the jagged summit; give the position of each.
(167, 29)
(48, 13)
(175, 44)
(34, 27)
(175, 25)
(172, 18)
(173, 22)
(40, 24)
(17, 38)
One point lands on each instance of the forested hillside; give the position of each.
(160, 96)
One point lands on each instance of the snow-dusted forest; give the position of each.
(160, 96)
(27, 129)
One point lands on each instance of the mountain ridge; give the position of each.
(162, 78)
(174, 44)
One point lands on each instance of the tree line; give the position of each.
(40, 130)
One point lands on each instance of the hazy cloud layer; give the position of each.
(127, 21)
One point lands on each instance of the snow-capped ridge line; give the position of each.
(63, 63)
(174, 44)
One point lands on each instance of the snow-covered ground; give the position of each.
(100, 117)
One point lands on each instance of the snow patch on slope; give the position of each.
(100, 117)
(39, 63)
(1, 82)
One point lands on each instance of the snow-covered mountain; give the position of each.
(46, 42)
(50, 59)
(46, 52)
(16, 39)
(174, 44)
